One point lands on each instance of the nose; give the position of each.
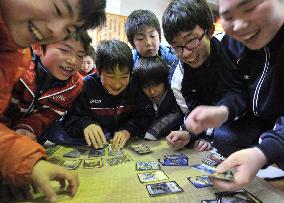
(152, 91)
(72, 59)
(239, 25)
(117, 84)
(148, 41)
(57, 29)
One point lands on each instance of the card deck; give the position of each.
(213, 159)
(76, 153)
(164, 188)
(96, 152)
(140, 148)
(147, 165)
(227, 175)
(237, 196)
(72, 164)
(93, 163)
(200, 181)
(152, 176)
(204, 168)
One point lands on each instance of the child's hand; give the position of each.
(44, 172)
(27, 133)
(202, 145)
(119, 140)
(94, 136)
(178, 139)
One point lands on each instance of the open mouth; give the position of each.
(67, 70)
(36, 33)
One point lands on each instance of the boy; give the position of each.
(143, 32)
(205, 76)
(88, 65)
(110, 105)
(44, 22)
(259, 28)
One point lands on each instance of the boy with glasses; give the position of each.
(204, 77)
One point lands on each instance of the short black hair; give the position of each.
(79, 36)
(137, 21)
(91, 52)
(151, 71)
(184, 15)
(112, 53)
(92, 13)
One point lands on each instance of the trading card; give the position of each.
(163, 188)
(204, 168)
(56, 160)
(52, 150)
(96, 152)
(140, 148)
(174, 162)
(176, 156)
(237, 196)
(213, 159)
(119, 152)
(74, 153)
(152, 176)
(209, 201)
(227, 175)
(72, 164)
(118, 160)
(200, 181)
(147, 165)
(93, 163)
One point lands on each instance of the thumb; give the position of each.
(226, 165)
(49, 193)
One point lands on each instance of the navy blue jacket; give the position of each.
(263, 72)
(130, 110)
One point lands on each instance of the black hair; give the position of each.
(79, 36)
(91, 52)
(92, 13)
(137, 21)
(113, 53)
(151, 71)
(184, 15)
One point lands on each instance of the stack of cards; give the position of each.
(200, 181)
(238, 196)
(227, 176)
(213, 159)
(152, 176)
(174, 160)
(140, 148)
(147, 165)
(163, 188)
(93, 163)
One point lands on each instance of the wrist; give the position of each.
(224, 112)
(260, 157)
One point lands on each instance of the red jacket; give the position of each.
(35, 114)
(18, 154)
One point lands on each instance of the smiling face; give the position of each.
(88, 64)
(197, 56)
(44, 21)
(115, 82)
(147, 41)
(252, 22)
(63, 59)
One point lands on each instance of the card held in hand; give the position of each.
(227, 175)
(164, 188)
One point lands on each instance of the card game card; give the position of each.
(56, 160)
(227, 175)
(118, 160)
(165, 188)
(93, 163)
(93, 152)
(237, 196)
(204, 168)
(72, 164)
(147, 165)
(140, 148)
(174, 160)
(209, 201)
(213, 159)
(119, 152)
(74, 153)
(200, 181)
(152, 176)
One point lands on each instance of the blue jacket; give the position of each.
(165, 52)
(263, 73)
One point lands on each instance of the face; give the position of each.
(155, 92)
(88, 64)
(63, 59)
(196, 56)
(252, 22)
(44, 21)
(147, 42)
(115, 82)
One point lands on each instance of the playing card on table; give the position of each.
(227, 176)
(56, 160)
(93, 163)
(140, 148)
(71, 164)
(152, 176)
(209, 201)
(118, 160)
(237, 196)
(200, 181)
(74, 153)
(214, 159)
(204, 168)
(147, 165)
(96, 152)
(163, 188)
(119, 152)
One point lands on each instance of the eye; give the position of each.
(58, 12)
(63, 50)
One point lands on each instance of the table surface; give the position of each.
(120, 183)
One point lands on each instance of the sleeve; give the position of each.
(272, 144)
(18, 155)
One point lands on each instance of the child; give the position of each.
(259, 28)
(110, 105)
(144, 34)
(22, 24)
(204, 76)
(47, 89)
(88, 65)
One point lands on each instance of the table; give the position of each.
(120, 184)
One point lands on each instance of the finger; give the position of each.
(93, 140)
(87, 138)
(227, 164)
(203, 146)
(97, 137)
(48, 192)
(122, 143)
(72, 179)
(224, 185)
(62, 184)
(102, 136)
(195, 144)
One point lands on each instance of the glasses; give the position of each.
(190, 45)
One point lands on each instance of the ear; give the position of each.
(37, 49)
(211, 30)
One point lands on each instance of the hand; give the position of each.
(119, 139)
(204, 117)
(201, 145)
(27, 133)
(94, 136)
(178, 139)
(43, 172)
(247, 163)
